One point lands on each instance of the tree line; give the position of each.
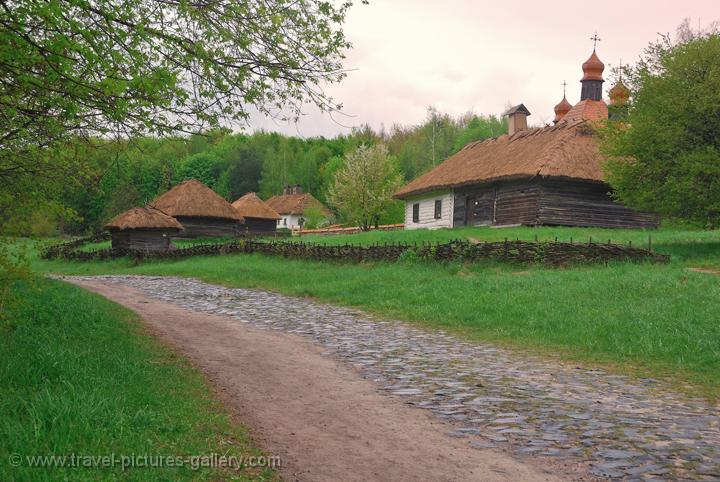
(119, 174)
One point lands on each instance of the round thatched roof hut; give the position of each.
(259, 217)
(202, 212)
(144, 228)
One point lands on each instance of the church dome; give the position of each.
(593, 68)
(619, 94)
(561, 109)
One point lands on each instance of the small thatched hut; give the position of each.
(292, 206)
(143, 228)
(202, 212)
(259, 217)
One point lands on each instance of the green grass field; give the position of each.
(78, 376)
(651, 320)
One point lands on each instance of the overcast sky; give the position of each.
(462, 55)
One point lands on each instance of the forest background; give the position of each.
(126, 173)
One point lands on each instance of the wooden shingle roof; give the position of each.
(587, 109)
(565, 150)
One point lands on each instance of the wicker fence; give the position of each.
(550, 253)
(68, 250)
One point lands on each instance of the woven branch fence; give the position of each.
(529, 252)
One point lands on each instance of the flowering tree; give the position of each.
(363, 188)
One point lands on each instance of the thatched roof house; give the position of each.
(551, 175)
(259, 216)
(566, 150)
(202, 212)
(143, 228)
(292, 205)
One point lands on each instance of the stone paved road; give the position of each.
(626, 428)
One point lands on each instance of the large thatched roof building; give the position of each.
(202, 212)
(292, 205)
(259, 216)
(143, 228)
(551, 175)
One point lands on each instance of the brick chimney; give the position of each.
(297, 189)
(517, 119)
(287, 190)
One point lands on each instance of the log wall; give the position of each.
(142, 239)
(546, 202)
(258, 225)
(196, 227)
(516, 203)
(499, 204)
(474, 206)
(567, 203)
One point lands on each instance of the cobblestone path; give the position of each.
(626, 428)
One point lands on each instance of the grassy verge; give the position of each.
(653, 320)
(79, 376)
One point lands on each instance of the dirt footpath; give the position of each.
(320, 417)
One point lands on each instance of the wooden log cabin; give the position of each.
(200, 210)
(143, 228)
(259, 217)
(543, 176)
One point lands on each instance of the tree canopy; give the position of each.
(74, 69)
(665, 155)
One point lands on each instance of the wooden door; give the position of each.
(480, 209)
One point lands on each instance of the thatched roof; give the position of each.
(194, 199)
(565, 150)
(295, 203)
(251, 206)
(143, 218)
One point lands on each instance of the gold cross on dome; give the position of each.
(564, 84)
(595, 40)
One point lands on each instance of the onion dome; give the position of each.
(561, 109)
(619, 94)
(593, 68)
